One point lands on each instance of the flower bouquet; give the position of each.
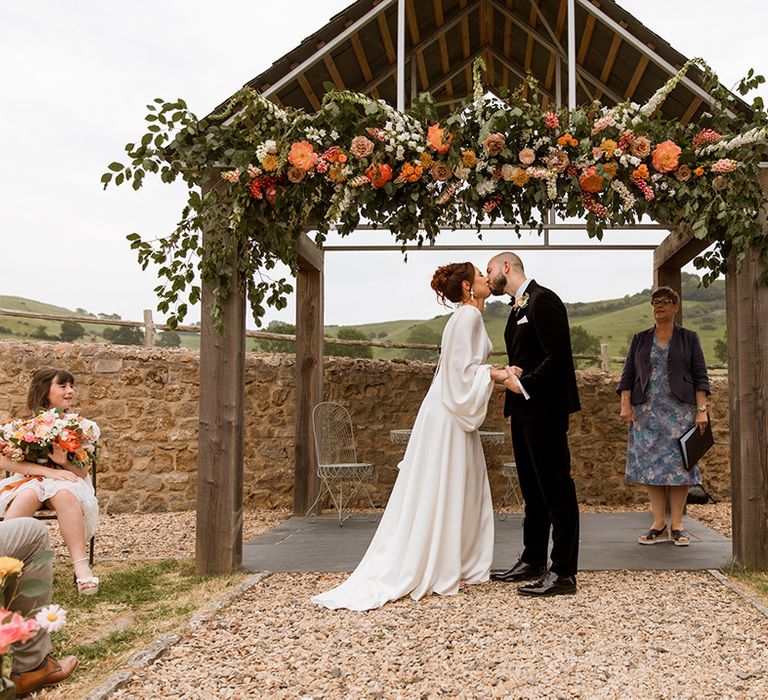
(14, 627)
(32, 439)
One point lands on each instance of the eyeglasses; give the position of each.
(662, 302)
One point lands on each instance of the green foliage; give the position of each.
(721, 350)
(583, 342)
(263, 345)
(71, 331)
(424, 335)
(349, 350)
(169, 339)
(124, 335)
(254, 212)
(40, 333)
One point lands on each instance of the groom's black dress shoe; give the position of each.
(521, 571)
(550, 584)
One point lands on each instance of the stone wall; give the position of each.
(145, 400)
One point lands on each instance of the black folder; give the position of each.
(693, 445)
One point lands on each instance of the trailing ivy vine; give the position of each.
(259, 176)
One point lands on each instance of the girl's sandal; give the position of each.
(88, 585)
(680, 538)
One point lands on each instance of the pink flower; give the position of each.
(361, 147)
(14, 629)
(231, 175)
(724, 165)
(551, 120)
(527, 156)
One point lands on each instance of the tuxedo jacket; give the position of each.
(686, 368)
(538, 340)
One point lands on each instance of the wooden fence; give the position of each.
(150, 329)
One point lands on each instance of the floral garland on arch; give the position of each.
(259, 176)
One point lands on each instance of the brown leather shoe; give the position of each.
(50, 672)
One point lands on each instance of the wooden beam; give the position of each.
(678, 249)
(309, 369)
(413, 23)
(747, 318)
(507, 47)
(465, 46)
(219, 531)
(586, 38)
(533, 18)
(562, 14)
(695, 104)
(308, 91)
(642, 64)
(445, 64)
(610, 59)
(362, 60)
(386, 38)
(333, 71)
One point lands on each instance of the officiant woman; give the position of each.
(664, 390)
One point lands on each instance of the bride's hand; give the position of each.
(499, 374)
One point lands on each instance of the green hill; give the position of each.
(612, 321)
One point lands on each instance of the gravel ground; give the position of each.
(624, 635)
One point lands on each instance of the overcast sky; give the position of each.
(78, 74)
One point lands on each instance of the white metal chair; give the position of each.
(337, 459)
(509, 471)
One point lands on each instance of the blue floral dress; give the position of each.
(653, 451)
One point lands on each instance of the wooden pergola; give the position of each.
(391, 49)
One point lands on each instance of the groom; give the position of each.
(539, 398)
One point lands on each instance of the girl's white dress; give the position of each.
(437, 529)
(45, 488)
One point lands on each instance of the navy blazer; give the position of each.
(686, 367)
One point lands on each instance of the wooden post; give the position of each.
(747, 315)
(605, 360)
(309, 370)
(219, 534)
(149, 329)
(676, 250)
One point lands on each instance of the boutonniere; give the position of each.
(520, 303)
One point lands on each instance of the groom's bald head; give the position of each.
(505, 273)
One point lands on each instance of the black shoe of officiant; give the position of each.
(550, 584)
(521, 571)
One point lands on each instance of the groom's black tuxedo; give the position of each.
(537, 337)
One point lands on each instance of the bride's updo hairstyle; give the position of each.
(448, 278)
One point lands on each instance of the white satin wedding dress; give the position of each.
(437, 529)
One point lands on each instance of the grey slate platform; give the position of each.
(608, 542)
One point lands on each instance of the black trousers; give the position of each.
(544, 469)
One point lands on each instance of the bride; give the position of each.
(437, 529)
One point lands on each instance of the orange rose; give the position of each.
(666, 156)
(590, 181)
(379, 175)
(69, 441)
(567, 140)
(699, 171)
(436, 139)
(302, 155)
(641, 172)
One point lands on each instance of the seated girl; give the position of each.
(60, 484)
